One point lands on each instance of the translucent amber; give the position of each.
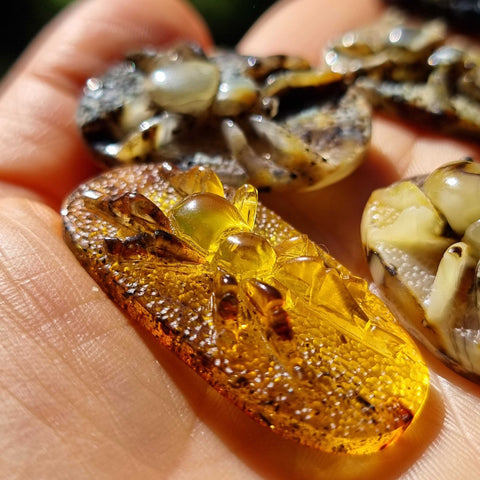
(196, 180)
(304, 275)
(245, 201)
(268, 318)
(245, 255)
(204, 219)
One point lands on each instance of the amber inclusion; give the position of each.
(268, 318)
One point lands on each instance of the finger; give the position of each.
(41, 147)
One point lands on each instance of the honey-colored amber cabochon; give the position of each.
(269, 319)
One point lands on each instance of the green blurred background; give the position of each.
(22, 19)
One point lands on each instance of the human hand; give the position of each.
(85, 392)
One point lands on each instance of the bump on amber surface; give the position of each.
(269, 319)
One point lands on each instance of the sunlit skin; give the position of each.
(85, 392)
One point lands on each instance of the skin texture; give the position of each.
(84, 392)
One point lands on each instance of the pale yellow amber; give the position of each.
(187, 87)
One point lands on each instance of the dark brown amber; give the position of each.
(269, 319)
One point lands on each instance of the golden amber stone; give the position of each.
(202, 219)
(245, 201)
(268, 318)
(245, 255)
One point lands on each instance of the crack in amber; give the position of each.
(268, 318)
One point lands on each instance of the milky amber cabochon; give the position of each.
(304, 348)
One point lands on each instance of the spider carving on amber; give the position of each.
(267, 317)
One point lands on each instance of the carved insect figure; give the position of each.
(411, 70)
(263, 314)
(272, 122)
(433, 274)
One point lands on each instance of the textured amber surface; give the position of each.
(263, 314)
